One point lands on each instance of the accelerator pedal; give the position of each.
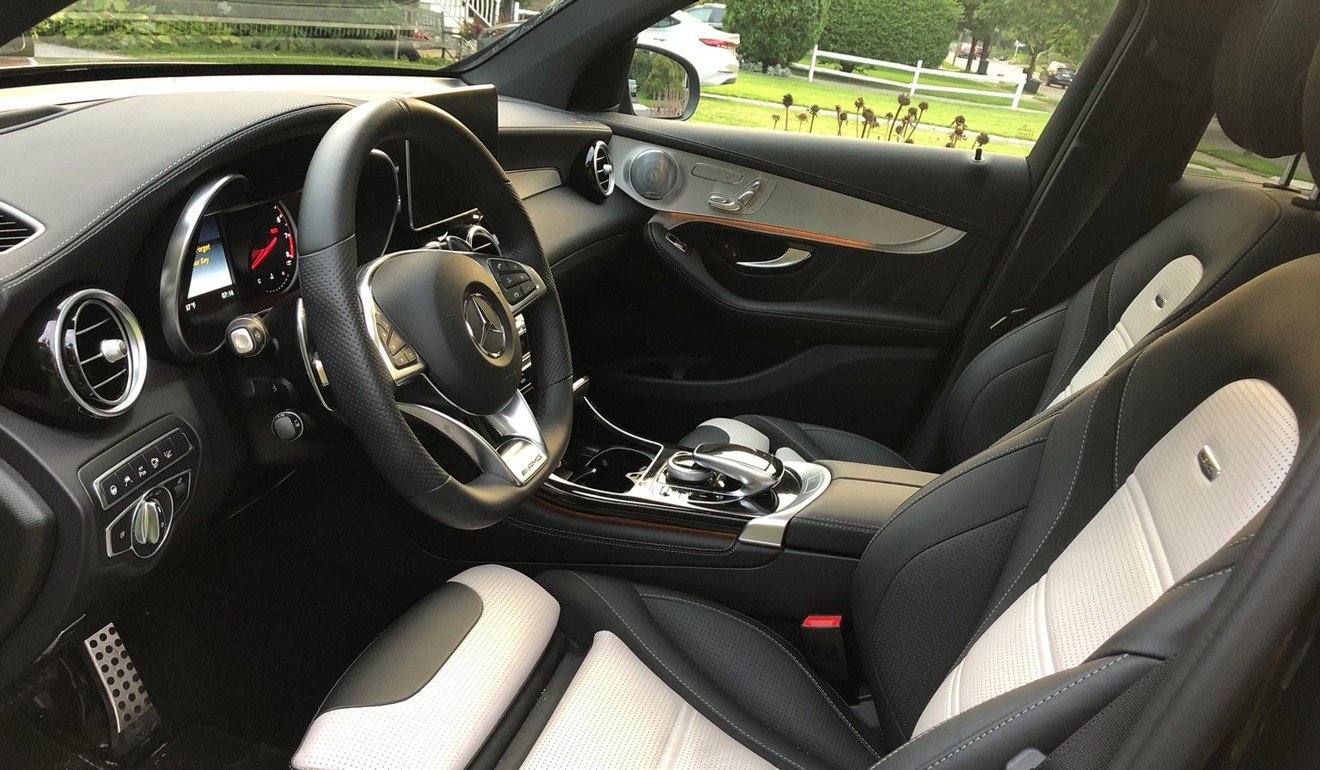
(131, 712)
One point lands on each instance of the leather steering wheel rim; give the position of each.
(363, 387)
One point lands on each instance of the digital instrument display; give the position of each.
(210, 267)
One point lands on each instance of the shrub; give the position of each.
(776, 32)
(901, 31)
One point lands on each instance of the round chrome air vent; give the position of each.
(101, 355)
(598, 172)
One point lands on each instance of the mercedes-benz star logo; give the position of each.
(484, 326)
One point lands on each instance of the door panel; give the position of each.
(693, 186)
(823, 281)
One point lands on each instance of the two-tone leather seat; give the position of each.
(1210, 246)
(1002, 609)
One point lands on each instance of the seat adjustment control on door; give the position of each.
(748, 201)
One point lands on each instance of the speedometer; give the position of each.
(272, 250)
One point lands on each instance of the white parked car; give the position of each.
(713, 53)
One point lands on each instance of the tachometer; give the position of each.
(272, 250)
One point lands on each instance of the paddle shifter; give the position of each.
(726, 469)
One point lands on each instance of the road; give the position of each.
(47, 53)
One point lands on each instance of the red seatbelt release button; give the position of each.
(822, 640)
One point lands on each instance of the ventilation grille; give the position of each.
(15, 229)
(600, 168)
(102, 352)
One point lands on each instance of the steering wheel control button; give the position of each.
(288, 426)
(246, 336)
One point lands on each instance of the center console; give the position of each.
(759, 498)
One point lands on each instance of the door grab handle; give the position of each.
(788, 259)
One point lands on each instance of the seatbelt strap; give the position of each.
(1166, 69)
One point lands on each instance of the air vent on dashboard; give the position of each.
(15, 229)
(596, 177)
(101, 355)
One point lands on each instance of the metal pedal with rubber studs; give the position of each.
(132, 714)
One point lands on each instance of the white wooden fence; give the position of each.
(914, 84)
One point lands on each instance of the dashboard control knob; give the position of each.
(246, 336)
(682, 468)
(288, 425)
(150, 522)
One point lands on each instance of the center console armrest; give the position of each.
(858, 502)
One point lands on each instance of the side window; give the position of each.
(1218, 157)
(963, 74)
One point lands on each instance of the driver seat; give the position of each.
(999, 612)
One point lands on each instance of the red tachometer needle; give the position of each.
(260, 256)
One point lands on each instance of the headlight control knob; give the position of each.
(152, 517)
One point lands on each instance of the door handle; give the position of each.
(793, 256)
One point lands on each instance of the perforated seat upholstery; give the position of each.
(1210, 246)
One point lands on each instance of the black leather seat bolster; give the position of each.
(737, 673)
(813, 442)
(1036, 715)
(1002, 386)
(408, 654)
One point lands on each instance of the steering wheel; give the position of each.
(430, 333)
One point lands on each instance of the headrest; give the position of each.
(1261, 74)
(1312, 116)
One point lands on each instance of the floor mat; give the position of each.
(196, 748)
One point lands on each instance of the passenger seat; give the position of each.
(1210, 246)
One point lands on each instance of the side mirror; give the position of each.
(661, 84)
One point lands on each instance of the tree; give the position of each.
(1064, 26)
(776, 32)
(903, 31)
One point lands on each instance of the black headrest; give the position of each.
(1261, 71)
(1312, 116)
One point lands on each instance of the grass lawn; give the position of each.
(750, 116)
(1265, 167)
(1019, 124)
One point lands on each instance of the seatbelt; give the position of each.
(1167, 69)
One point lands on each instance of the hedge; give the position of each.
(776, 32)
(902, 31)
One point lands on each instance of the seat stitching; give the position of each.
(192, 158)
(885, 692)
(1072, 487)
(1086, 324)
(666, 667)
(1122, 400)
(1007, 335)
(1109, 295)
(648, 545)
(827, 522)
(928, 490)
(1214, 574)
(822, 430)
(785, 650)
(1004, 722)
(967, 416)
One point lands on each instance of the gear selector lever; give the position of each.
(754, 470)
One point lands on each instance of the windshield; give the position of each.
(420, 35)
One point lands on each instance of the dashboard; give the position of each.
(175, 218)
